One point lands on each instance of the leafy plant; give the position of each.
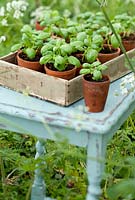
(58, 53)
(31, 41)
(126, 22)
(90, 20)
(88, 45)
(102, 4)
(109, 37)
(95, 69)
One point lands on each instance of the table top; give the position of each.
(75, 116)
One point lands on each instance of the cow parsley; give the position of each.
(10, 17)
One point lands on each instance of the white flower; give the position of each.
(2, 11)
(23, 7)
(2, 38)
(14, 4)
(8, 6)
(19, 5)
(4, 22)
(17, 14)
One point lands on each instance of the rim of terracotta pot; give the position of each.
(96, 82)
(35, 65)
(26, 61)
(117, 51)
(61, 74)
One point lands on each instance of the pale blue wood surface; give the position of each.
(43, 119)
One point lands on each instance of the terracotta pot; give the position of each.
(38, 26)
(95, 93)
(61, 74)
(34, 65)
(104, 57)
(128, 44)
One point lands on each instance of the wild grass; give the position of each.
(65, 169)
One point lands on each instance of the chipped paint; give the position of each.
(2, 126)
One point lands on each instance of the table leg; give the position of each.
(95, 164)
(38, 187)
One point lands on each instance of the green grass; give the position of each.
(65, 170)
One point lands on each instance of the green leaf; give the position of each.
(95, 64)
(55, 49)
(86, 42)
(74, 61)
(26, 28)
(81, 36)
(124, 189)
(98, 40)
(60, 60)
(16, 47)
(59, 67)
(64, 32)
(85, 71)
(43, 35)
(91, 55)
(25, 37)
(71, 30)
(118, 27)
(56, 30)
(78, 45)
(97, 75)
(102, 67)
(38, 44)
(45, 59)
(46, 47)
(103, 30)
(86, 65)
(114, 41)
(66, 49)
(31, 53)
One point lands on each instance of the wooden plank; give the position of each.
(117, 68)
(34, 83)
(50, 88)
(75, 91)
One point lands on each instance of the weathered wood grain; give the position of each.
(50, 88)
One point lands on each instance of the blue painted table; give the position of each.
(25, 114)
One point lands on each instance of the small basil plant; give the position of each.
(31, 41)
(109, 37)
(95, 69)
(58, 53)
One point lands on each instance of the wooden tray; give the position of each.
(50, 88)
